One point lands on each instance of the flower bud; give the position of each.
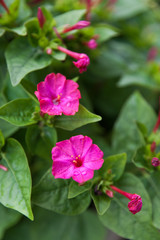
(155, 162)
(40, 17)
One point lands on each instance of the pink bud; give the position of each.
(40, 17)
(109, 193)
(3, 4)
(79, 25)
(49, 51)
(153, 146)
(152, 54)
(155, 162)
(135, 204)
(3, 168)
(83, 59)
(92, 44)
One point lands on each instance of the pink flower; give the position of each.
(135, 204)
(77, 157)
(92, 44)
(58, 95)
(83, 59)
(79, 25)
(155, 162)
(41, 17)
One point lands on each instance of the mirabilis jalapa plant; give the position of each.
(67, 169)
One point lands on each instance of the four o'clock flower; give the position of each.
(41, 17)
(135, 204)
(83, 59)
(3, 4)
(58, 95)
(79, 25)
(155, 162)
(77, 157)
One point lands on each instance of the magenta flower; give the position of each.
(41, 17)
(77, 157)
(155, 162)
(92, 44)
(58, 95)
(79, 25)
(83, 59)
(135, 204)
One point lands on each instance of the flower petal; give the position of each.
(55, 83)
(66, 147)
(82, 174)
(77, 144)
(93, 158)
(62, 169)
(59, 155)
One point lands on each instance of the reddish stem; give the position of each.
(127, 195)
(2, 2)
(70, 53)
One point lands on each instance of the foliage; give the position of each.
(118, 105)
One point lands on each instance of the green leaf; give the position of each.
(71, 17)
(8, 218)
(29, 88)
(33, 31)
(15, 184)
(18, 112)
(85, 226)
(21, 31)
(143, 158)
(2, 31)
(75, 189)
(102, 202)
(153, 181)
(2, 140)
(7, 128)
(118, 218)
(22, 59)
(141, 79)
(105, 32)
(146, 231)
(59, 56)
(124, 9)
(82, 117)
(41, 140)
(126, 135)
(116, 164)
(52, 194)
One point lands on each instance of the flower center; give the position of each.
(56, 101)
(77, 162)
